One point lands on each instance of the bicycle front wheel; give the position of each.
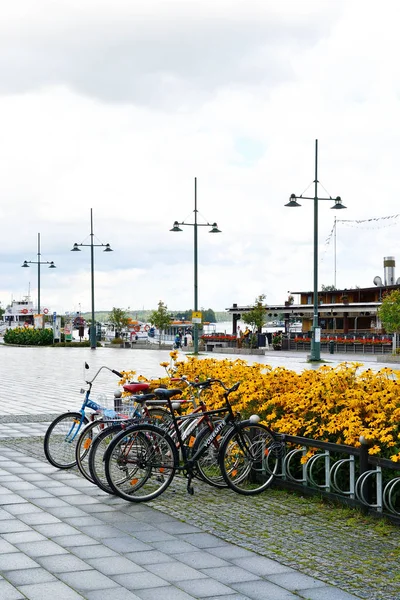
(61, 438)
(96, 457)
(83, 447)
(245, 460)
(140, 463)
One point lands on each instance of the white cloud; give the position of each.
(118, 106)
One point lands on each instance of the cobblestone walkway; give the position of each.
(337, 545)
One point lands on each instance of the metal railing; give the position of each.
(342, 472)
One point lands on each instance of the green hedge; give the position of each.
(25, 336)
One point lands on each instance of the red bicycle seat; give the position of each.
(134, 388)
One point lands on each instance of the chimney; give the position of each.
(389, 264)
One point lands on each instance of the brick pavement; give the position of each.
(62, 537)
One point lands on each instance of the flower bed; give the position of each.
(333, 404)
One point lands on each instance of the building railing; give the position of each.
(344, 343)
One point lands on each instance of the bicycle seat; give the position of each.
(141, 399)
(134, 388)
(164, 394)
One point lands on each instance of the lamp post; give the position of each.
(195, 225)
(92, 246)
(38, 262)
(315, 354)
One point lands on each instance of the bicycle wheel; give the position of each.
(246, 463)
(140, 463)
(61, 438)
(96, 456)
(208, 464)
(102, 441)
(84, 445)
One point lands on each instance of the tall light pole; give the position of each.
(195, 225)
(38, 262)
(315, 354)
(92, 246)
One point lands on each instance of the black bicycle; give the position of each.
(141, 462)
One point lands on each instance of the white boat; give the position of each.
(20, 313)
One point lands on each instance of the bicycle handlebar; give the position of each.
(207, 383)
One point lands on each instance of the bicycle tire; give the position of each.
(101, 442)
(140, 463)
(246, 463)
(96, 456)
(61, 438)
(207, 465)
(84, 445)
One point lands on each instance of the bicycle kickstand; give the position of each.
(189, 487)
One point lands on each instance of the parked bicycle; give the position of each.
(141, 462)
(63, 433)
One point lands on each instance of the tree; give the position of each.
(119, 318)
(160, 318)
(328, 288)
(389, 312)
(256, 317)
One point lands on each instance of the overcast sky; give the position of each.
(117, 105)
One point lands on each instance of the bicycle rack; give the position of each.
(310, 465)
(352, 474)
(361, 492)
(388, 495)
(286, 472)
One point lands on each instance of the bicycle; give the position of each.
(62, 434)
(102, 441)
(141, 462)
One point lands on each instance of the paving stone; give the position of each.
(8, 592)
(229, 575)
(88, 581)
(16, 560)
(119, 593)
(259, 565)
(42, 548)
(100, 531)
(24, 576)
(94, 551)
(328, 593)
(153, 536)
(260, 590)
(165, 593)
(23, 536)
(22, 508)
(38, 518)
(6, 547)
(138, 581)
(52, 530)
(295, 581)
(206, 588)
(202, 540)
(63, 563)
(50, 591)
(175, 571)
(149, 557)
(173, 547)
(12, 526)
(79, 539)
(114, 565)
(125, 543)
(201, 560)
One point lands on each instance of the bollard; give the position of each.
(331, 347)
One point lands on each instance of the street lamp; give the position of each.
(315, 354)
(195, 225)
(38, 262)
(92, 245)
